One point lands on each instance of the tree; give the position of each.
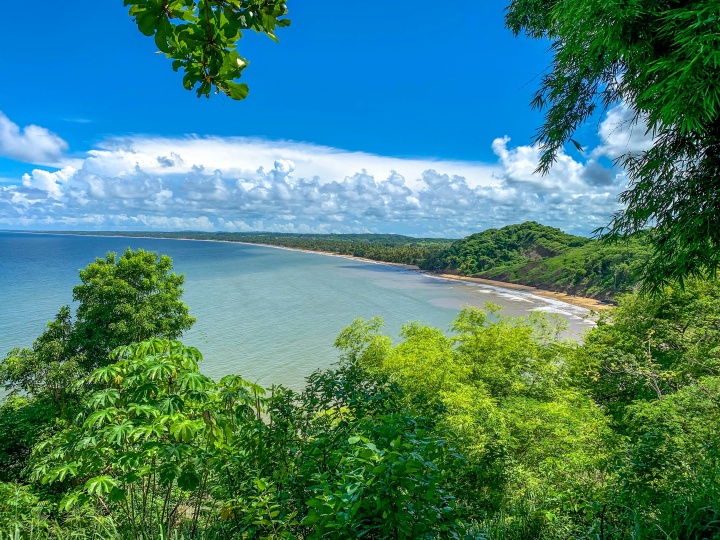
(127, 299)
(662, 59)
(501, 392)
(121, 300)
(652, 346)
(49, 368)
(653, 364)
(159, 423)
(200, 36)
(671, 473)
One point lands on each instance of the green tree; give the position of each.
(200, 36)
(49, 369)
(650, 347)
(670, 478)
(23, 422)
(653, 363)
(124, 300)
(149, 439)
(501, 390)
(662, 59)
(344, 459)
(121, 300)
(41, 382)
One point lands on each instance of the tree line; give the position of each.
(394, 248)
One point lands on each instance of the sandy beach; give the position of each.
(580, 301)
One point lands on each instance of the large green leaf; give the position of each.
(185, 430)
(100, 485)
(188, 480)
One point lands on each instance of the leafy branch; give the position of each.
(200, 36)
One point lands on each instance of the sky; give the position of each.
(388, 117)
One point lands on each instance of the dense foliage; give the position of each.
(120, 300)
(547, 258)
(200, 37)
(497, 429)
(509, 245)
(661, 58)
(654, 367)
(595, 270)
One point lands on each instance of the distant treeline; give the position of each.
(528, 253)
(394, 248)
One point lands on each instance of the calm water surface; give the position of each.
(269, 315)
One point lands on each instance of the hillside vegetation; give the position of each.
(510, 245)
(547, 258)
(594, 270)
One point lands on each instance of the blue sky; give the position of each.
(367, 116)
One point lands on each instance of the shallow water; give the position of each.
(270, 315)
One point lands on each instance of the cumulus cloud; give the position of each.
(238, 184)
(621, 132)
(242, 156)
(519, 166)
(32, 144)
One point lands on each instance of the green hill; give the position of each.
(595, 270)
(547, 258)
(511, 245)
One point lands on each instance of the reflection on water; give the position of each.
(270, 315)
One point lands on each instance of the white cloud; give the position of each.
(240, 156)
(622, 133)
(32, 144)
(50, 182)
(240, 184)
(519, 166)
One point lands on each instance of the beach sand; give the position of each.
(580, 301)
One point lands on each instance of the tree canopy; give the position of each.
(662, 59)
(127, 299)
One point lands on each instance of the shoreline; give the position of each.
(578, 301)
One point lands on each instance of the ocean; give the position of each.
(269, 315)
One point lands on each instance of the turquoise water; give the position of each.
(270, 315)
